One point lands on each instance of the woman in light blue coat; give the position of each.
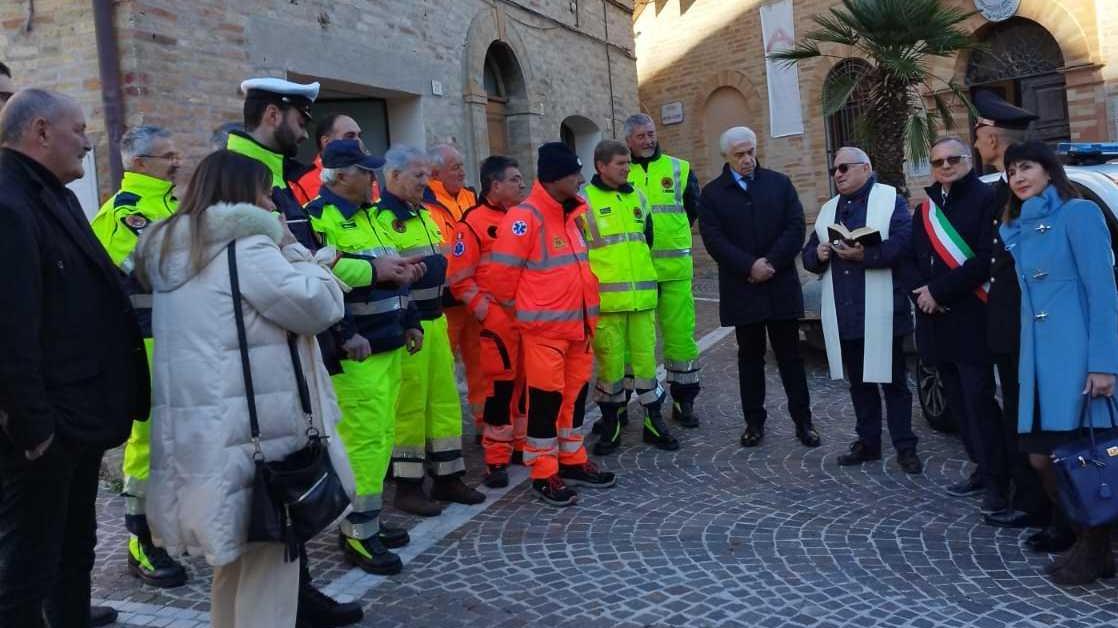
(1069, 327)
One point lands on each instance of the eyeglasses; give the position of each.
(950, 161)
(168, 156)
(843, 168)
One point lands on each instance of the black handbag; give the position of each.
(295, 498)
(1087, 471)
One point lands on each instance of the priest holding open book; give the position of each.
(859, 246)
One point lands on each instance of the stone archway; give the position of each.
(498, 91)
(727, 98)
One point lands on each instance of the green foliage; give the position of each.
(899, 39)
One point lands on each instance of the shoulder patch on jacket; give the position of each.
(125, 199)
(135, 222)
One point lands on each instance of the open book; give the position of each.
(866, 236)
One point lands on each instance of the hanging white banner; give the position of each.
(778, 33)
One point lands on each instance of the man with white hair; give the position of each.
(752, 223)
(866, 313)
(146, 195)
(73, 377)
(673, 193)
(448, 198)
(429, 414)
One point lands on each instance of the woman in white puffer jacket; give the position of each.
(202, 470)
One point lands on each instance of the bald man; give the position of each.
(72, 379)
(866, 313)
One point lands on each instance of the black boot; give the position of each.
(393, 537)
(410, 498)
(150, 563)
(101, 615)
(656, 431)
(451, 488)
(610, 434)
(318, 610)
(370, 555)
(683, 411)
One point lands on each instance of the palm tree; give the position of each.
(899, 39)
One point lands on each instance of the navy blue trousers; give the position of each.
(867, 398)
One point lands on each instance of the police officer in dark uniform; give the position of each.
(999, 125)
(276, 115)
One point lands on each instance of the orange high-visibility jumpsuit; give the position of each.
(462, 328)
(306, 187)
(545, 269)
(472, 275)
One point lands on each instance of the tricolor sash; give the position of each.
(949, 246)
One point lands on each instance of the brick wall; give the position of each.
(686, 49)
(182, 66)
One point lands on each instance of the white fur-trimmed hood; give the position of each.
(221, 224)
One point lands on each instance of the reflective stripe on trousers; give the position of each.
(535, 316)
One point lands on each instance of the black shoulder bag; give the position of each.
(295, 498)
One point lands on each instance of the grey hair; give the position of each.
(858, 152)
(138, 140)
(736, 134)
(401, 156)
(438, 154)
(329, 176)
(637, 121)
(25, 106)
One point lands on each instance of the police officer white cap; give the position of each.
(281, 92)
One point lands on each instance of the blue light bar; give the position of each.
(1087, 152)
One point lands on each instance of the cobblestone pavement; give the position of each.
(710, 535)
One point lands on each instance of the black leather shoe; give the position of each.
(909, 462)
(1051, 541)
(1015, 519)
(970, 486)
(393, 537)
(752, 436)
(808, 436)
(859, 453)
(322, 611)
(101, 615)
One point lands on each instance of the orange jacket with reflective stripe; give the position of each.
(307, 186)
(545, 268)
(471, 274)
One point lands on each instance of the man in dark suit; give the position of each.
(752, 224)
(951, 237)
(73, 375)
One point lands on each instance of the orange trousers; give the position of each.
(556, 373)
(463, 329)
(505, 416)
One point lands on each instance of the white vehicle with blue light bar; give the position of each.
(1092, 167)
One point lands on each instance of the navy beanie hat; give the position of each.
(556, 160)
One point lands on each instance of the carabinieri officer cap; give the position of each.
(993, 110)
(281, 92)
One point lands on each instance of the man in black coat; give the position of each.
(752, 223)
(951, 238)
(73, 375)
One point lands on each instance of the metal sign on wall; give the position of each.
(997, 10)
(671, 113)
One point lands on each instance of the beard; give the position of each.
(287, 143)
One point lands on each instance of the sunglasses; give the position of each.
(844, 168)
(951, 161)
(167, 156)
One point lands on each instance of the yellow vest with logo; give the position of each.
(619, 255)
(662, 184)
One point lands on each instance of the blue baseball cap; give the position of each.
(346, 153)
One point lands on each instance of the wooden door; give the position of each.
(495, 111)
(1046, 96)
